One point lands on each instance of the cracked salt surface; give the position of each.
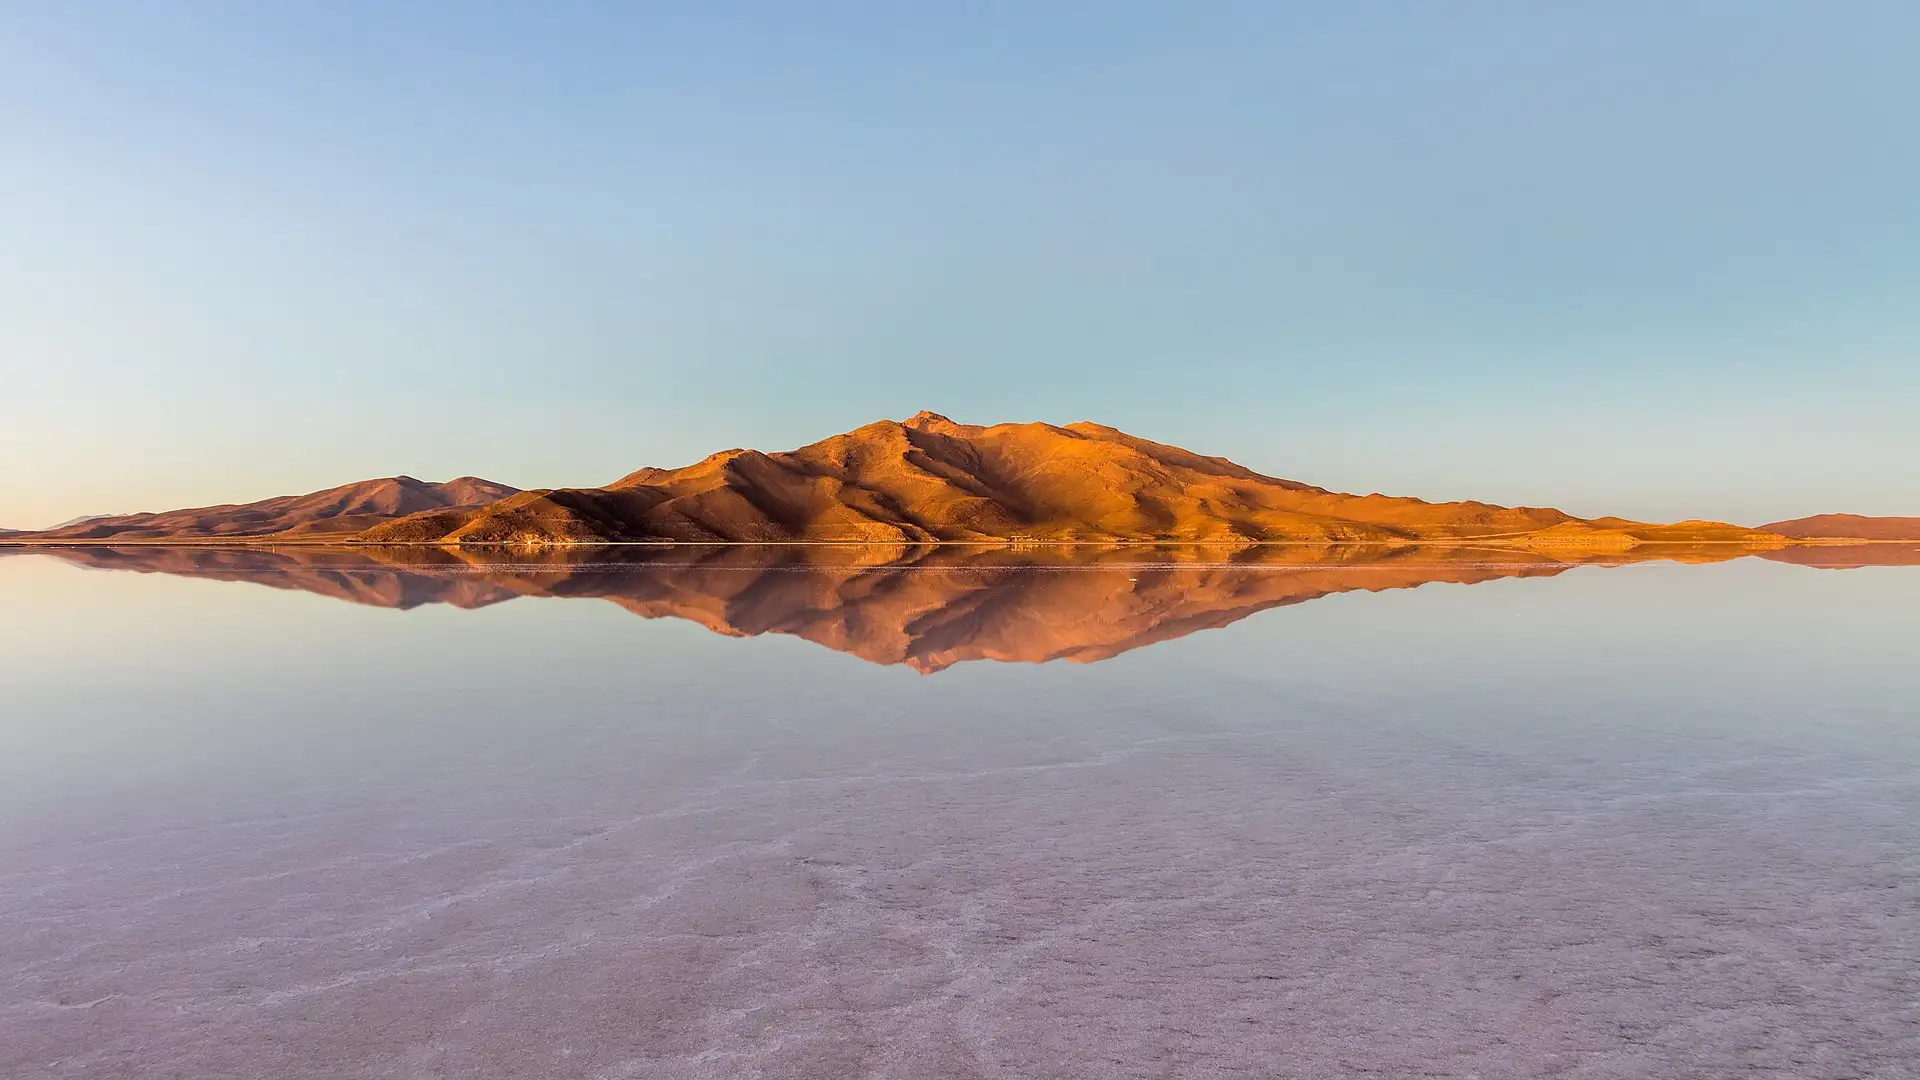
(1642, 822)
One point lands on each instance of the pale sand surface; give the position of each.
(1648, 822)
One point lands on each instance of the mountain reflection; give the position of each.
(928, 607)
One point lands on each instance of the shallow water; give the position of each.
(820, 814)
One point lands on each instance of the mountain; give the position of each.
(924, 480)
(334, 513)
(70, 522)
(1847, 527)
(925, 607)
(929, 479)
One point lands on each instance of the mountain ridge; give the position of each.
(1847, 527)
(332, 513)
(928, 479)
(924, 480)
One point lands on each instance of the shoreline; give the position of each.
(1504, 540)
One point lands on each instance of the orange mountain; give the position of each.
(1848, 527)
(932, 480)
(331, 514)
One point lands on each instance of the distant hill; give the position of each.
(334, 513)
(929, 479)
(1847, 527)
(70, 522)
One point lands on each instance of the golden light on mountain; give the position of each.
(920, 481)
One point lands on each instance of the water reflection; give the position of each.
(926, 607)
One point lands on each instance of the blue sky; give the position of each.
(1657, 259)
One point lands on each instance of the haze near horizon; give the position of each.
(1655, 261)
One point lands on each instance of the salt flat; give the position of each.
(1646, 821)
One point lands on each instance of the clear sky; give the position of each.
(1659, 259)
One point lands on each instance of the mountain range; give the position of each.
(923, 480)
(334, 514)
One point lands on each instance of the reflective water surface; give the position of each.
(946, 812)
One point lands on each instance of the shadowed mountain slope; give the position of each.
(333, 513)
(923, 607)
(1847, 527)
(929, 479)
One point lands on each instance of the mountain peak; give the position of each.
(925, 418)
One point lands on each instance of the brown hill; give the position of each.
(334, 513)
(924, 607)
(932, 480)
(1847, 527)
